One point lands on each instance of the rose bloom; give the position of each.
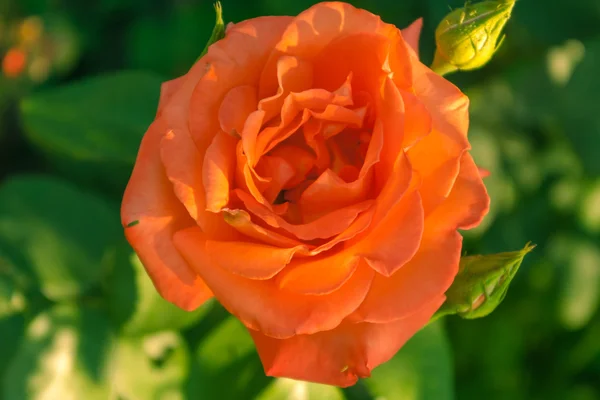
(310, 173)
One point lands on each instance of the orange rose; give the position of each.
(311, 174)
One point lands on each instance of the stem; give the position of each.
(441, 66)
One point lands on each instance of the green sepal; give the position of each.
(468, 37)
(481, 284)
(218, 32)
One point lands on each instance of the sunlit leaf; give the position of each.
(287, 389)
(579, 261)
(92, 128)
(135, 304)
(589, 210)
(226, 364)
(62, 235)
(64, 355)
(151, 367)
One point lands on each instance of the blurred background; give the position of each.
(79, 318)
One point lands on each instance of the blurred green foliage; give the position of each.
(80, 318)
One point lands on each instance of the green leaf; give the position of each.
(481, 284)
(579, 293)
(63, 237)
(422, 369)
(218, 32)
(226, 364)
(92, 128)
(285, 389)
(152, 367)
(64, 354)
(12, 328)
(12, 298)
(589, 210)
(578, 113)
(136, 306)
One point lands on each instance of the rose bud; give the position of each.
(468, 37)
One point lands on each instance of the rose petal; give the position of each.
(338, 193)
(250, 260)
(217, 170)
(340, 356)
(436, 158)
(402, 178)
(293, 75)
(182, 162)
(242, 222)
(261, 305)
(149, 200)
(363, 54)
(318, 275)
(279, 172)
(396, 239)
(237, 105)
(484, 173)
(448, 106)
(412, 34)
(417, 120)
(468, 202)
(428, 275)
(167, 90)
(302, 161)
(324, 227)
(311, 32)
(248, 43)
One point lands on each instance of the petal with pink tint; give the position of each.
(484, 173)
(340, 356)
(412, 34)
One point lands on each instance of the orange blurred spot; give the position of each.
(14, 63)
